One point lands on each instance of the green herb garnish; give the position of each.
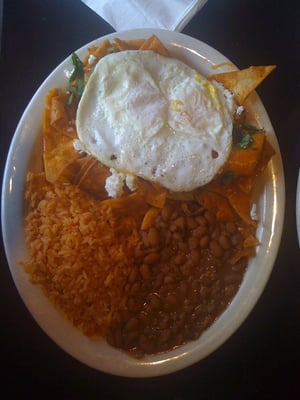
(246, 141)
(243, 135)
(76, 80)
(78, 68)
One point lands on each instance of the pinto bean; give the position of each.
(193, 242)
(151, 258)
(145, 271)
(204, 242)
(195, 256)
(132, 324)
(166, 213)
(153, 237)
(200, 231)
(224, 242)
(215, 248)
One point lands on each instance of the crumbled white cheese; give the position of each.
(91, 59)
(114, 183)
(239, 110)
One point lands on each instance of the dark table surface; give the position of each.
(262, 359)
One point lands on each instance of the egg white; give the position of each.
(156, 118)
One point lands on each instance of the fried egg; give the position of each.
(156, 118)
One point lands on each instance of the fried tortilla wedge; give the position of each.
(58, 151)
(238, 200)
(218, 204)
(241, 161)
(154, 44)
(247, 183)
(91, 176)
(243, 82)
(59, 163)
(128, 44)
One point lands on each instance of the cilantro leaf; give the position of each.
(78, 68)
(243, 135)
(76, 80)
(246, 141)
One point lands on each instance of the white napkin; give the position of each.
(161, 14)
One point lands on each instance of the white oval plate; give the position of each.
(25, 153)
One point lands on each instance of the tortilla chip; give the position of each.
(250, 241)
(244, 161)
(154, 44)
(247, 183)
(181, 196)
(99, 51)
(154, 195)
(242, 83)
(149, 218)
(91, 177)
(58, 117)
(136, 43)
(59, 162)
(126, 45)
(58, 151)
(239, 200)
(129, 206)
(217, 204)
